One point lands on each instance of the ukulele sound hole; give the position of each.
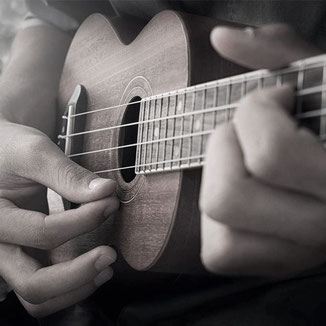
(128, 135)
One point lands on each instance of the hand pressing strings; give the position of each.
(263, 197)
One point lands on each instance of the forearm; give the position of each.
(29, 83)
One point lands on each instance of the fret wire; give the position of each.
(152, 114)
(260, 82)
(300, 80)
(173, 130)
(153, 133)
(140, 135)
(215, 99)
(279, 79)
(182, 124)
(146, 113)
(166, 128)
(322, 127)
(202, 121)
(228, 99)
(192, 123)
(159, 132)
(243, 87)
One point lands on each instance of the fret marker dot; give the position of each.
(179, 107)
(197, 125)
(156, 132)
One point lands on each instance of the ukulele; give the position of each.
(138, 107)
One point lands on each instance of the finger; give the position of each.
(66, 300)
(274, 148)
(271, 46)
(231, 196)
(37, 230)
(37, 285)
(232, 252)
(39, 159)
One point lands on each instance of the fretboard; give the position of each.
(174, 127)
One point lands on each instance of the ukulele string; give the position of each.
(259, 74)
(178, 160)
(192, 89)
(195, 134)
(181, 115)
(305, 115)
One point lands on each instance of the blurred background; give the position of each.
(12, 13)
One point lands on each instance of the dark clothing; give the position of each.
(189, 300)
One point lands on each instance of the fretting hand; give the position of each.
(263, 196)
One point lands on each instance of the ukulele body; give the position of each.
(158, 225)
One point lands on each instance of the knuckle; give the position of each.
(45, 239)
(105, 250)
(70, 173)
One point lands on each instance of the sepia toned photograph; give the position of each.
(162, 162)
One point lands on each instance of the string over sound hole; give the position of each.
(128, 136)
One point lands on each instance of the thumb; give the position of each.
(47, 164)
(271, 46)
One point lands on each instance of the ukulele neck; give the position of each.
(174, 127)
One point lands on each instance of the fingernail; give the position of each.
(104, 261)
(103, 277)
(98, 182)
